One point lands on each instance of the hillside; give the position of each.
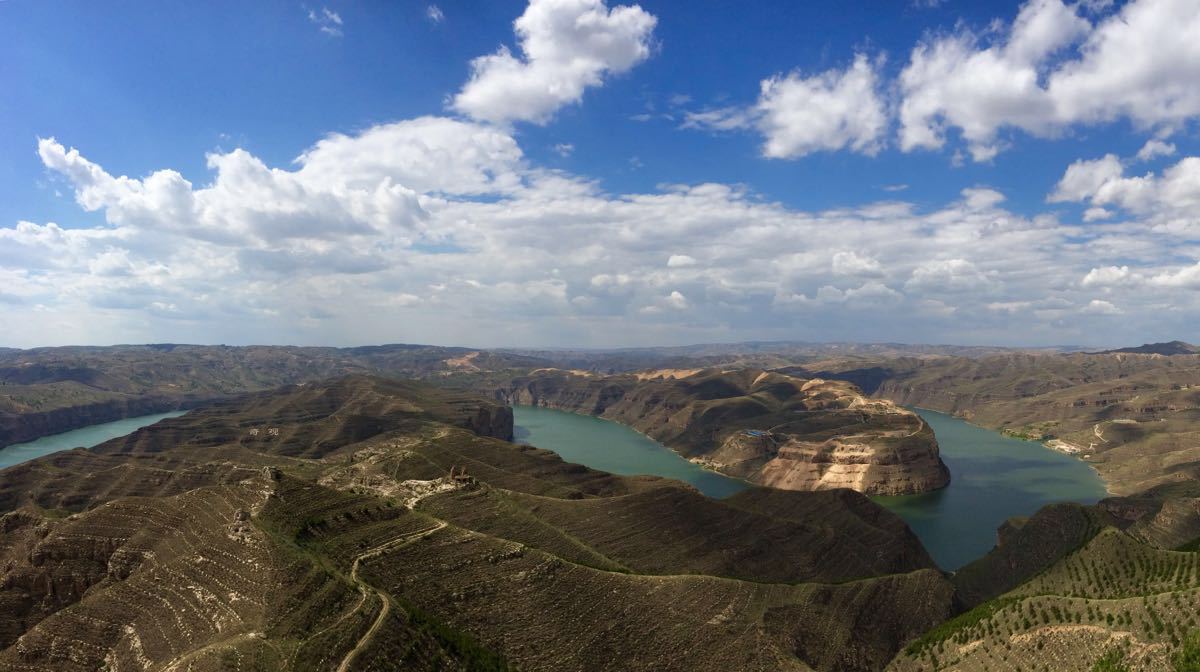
(50, 390)
(1113, 604)
(768, 428)
(1113, 587)
(316, 527)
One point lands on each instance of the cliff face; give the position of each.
(491, 420)
(22, 427)
(1131, 416)
(867, 462)
(765, 427)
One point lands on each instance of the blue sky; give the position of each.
(633, 182)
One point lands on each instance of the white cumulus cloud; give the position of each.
(1172, 196)
(435, 229)
(830, 111)
(566, 46)
(1051, 69)
(798, 115)
(1155, 148)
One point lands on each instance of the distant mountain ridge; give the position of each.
(1169, 348)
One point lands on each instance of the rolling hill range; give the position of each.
(319, 527)
(1131, 413)
(766, 427)
(49, 390)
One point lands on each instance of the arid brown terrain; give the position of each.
(366, 523)
(369, 523)
(49, 390)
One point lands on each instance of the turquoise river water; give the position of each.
(993, 477)
(85, 437)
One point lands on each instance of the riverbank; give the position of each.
(1077, 454)
(17, 428)
(614, 447)
(84, 437)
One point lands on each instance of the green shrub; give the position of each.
(1112, 661)
(1187, 658)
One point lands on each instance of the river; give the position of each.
(993, 477)
(615, 448)
(86, 437)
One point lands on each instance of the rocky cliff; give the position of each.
(493, 421)
(766, 427)
(27, 426)
(1132, 416)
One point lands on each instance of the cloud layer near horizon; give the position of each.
(435, 229)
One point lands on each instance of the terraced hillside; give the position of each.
(320, 527)
(766, 427)
(1113, 587)
(1114, 604)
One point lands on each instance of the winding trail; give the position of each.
(398, 542)
(187, 658)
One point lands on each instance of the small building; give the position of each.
(461, 477)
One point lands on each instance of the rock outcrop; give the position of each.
(493, 421)
(766, 427)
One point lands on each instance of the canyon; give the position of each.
(765, 427)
